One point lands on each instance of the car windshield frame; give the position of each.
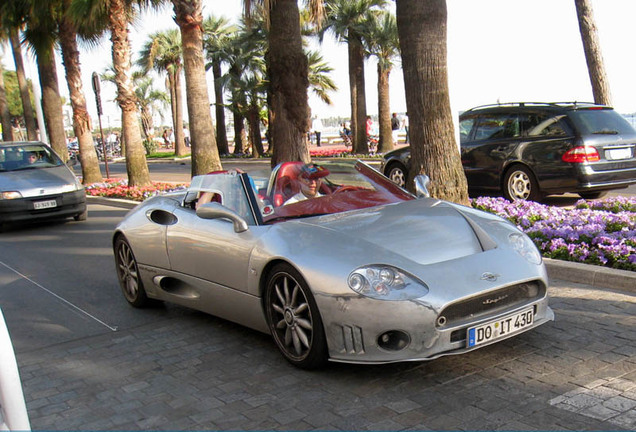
(14, 157)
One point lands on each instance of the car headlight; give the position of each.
(384, 282)
(11, 195)
(522, 244)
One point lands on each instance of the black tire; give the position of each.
(293, 318)
(592, 195)
(397, 173)
(128, 274)
(520, 184)
(81, 217)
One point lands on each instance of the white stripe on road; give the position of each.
(111, 328)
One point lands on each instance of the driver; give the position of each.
(310, 178)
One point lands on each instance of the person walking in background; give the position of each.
(316, 127)
(405, 124)
(186, 136)
(395, 128)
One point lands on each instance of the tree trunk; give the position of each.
(221, 132)
(81, 120)
(384, 111)
(27, 107)
(287, 70)
(239, 133)
(422, 32)
(5, 115)
(593, 54)
(358, 96)
(180, 148)
(205, 155)
(136, 164)
(254, 121)
(51, 101)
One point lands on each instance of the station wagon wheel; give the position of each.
(293, 318)
(520, 184)
(397, 174)
(128, 274)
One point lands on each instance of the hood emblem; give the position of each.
(490, 277)
(42, 191)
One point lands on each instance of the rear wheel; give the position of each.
(397, 174)
(293, 318)
(520, 184)
(592, 195)
(128, 274)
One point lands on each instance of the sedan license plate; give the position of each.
(39, 205)
(500, 328)
(618, 154)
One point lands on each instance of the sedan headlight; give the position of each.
(11, 195)
(384, 282)
(522, 244)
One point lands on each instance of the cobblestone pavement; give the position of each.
(193, 371)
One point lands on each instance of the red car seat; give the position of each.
(286, 183)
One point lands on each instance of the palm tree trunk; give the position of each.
(384, 110)
(221, 132)
(422, 32)
(81, 119)
(358, 96)
(239, 133)
(5, 115)
(51, 101)
(287, 70)
(29, 118)
(179, 143)
(253, 118)
(593, 54)
(136, 164)
(205, 155)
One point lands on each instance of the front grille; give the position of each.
(491, 303)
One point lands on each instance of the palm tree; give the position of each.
(320, 82)
(162, 52)
(593, 55)
(216, 37)
(81, 120)
(41, 36)
(149, 101)
(422, 32)
(205, 155)
(346, 20)
(382, 42)
(12, 15)
(118, 13)
(5, 115)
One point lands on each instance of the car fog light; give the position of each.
(394, 340)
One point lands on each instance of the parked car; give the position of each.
(36, 184)
(363, 273)
(529, 150)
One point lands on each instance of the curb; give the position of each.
(597, 276)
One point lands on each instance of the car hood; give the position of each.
(426, 231)
(39, 181)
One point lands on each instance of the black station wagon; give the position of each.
(529, 150)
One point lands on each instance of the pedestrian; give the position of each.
(369, 126)
(316, 127)
(166, 138)
(395, 128)
(186, 136)
(405, 124)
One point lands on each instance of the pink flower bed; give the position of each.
(118, 188)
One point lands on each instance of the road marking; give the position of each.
(111, 328)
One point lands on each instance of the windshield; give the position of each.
(601, 122)
(27, 156)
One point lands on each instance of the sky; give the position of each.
(498, 51)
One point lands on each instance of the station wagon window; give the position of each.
(465, 126)
(542, 125)
(495, 126)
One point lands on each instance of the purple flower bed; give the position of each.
(599, 232)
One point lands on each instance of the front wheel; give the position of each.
(293, 318)
(128, 274)
(520, 184)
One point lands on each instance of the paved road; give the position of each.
(90, 361)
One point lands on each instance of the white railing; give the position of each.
(13, 413)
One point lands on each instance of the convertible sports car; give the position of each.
(365, 272)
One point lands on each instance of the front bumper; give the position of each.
(67, 204)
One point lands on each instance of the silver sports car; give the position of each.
(336, 262)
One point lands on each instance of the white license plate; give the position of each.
(618, 154)
(39, 205)
(500, 328)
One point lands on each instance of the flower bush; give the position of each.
(118, 188)
(599, 232)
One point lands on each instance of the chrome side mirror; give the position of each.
(215, 210)
(421, 186)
